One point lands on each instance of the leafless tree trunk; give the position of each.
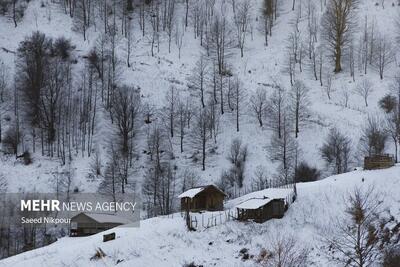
(384, 55)
(242, 21)
(198, 80)
(299, 104)
(364, 88)
(338, 23)
(258, 105)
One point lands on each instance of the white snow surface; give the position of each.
(254, 203)
(271, 193)
(164, 241)
(191, 193)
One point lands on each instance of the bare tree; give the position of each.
(351, 57)
(183, 110)
(125, 111)
(221, 41)
(172, 99)
(276, 106)
(158, 185)
(392, 129)
(374, 137)
(200, 134)
(179, 33)
(336, 151)
(364, 88)
(268, 13)
(338, 22)
(284, 250)
(5, 95)
(242, 17)
(354, 239)
(186, 12)
(299, 104)
(239, 97)
(189, 179)
(345, 96)
(129, 42)
(321, 62)
(260, 178)
(258, 105)
(384, 54)
(328, 88)
(198, 79)
(237, 156)
(283, 148)
(170, 20)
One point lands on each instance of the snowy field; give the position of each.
(164, 241)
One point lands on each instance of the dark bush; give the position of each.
(26, 156)
(392, 257)
(11, 141)
(388, 103)
(192, 264)
(305, 173)
(63, 48)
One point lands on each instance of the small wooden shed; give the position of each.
(208, 197)
(261, 209)
(375, 162)
(86, 223)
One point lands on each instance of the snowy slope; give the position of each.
(259, 66)
(165, 241)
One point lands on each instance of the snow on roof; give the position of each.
(271, 193)
(107, 218)
(191, 193)
(253, 203)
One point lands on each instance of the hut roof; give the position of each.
(254, 203)
(106, 218)
(191, 193)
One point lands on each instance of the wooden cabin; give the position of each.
(208, 197)
(86, 223)
(378, 162)
(261, 209)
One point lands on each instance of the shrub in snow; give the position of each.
(11, 141)
(244, 254)
(306, 173)
(374, 137)
(392, 257)
(284, 250)
(98, 255)
(388, 103)
(27, 158)
(336, 151)
(63, 48)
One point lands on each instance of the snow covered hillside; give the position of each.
(260, 67)
(164, 241)
(154, 97)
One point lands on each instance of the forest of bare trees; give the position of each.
(65, 103)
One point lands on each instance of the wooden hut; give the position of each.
(378, 162)
(86, 223)
(261, 209)
(208, 197)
